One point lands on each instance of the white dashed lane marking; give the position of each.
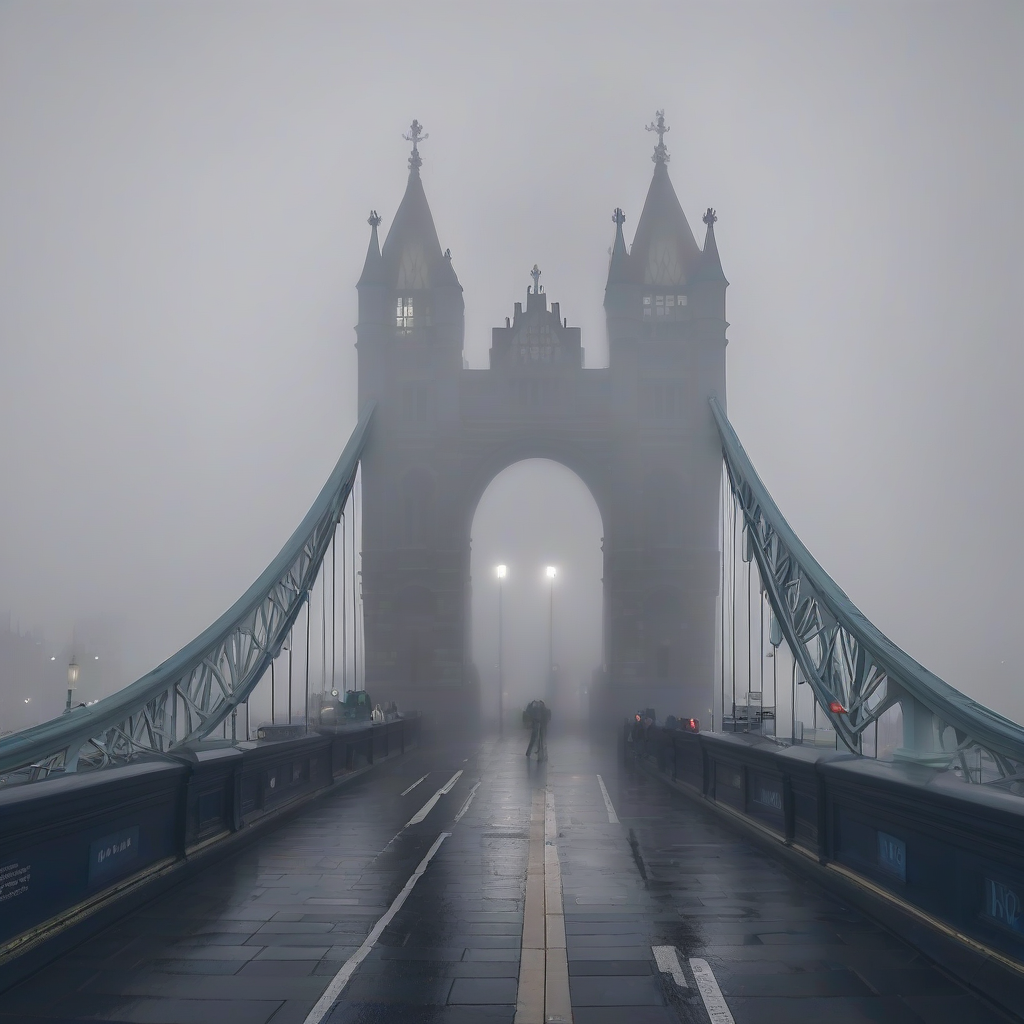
(668, 963)
(612, 816)
(707, 986)
(342, 978)
(429, 805)
(469, 800)
(406, 792)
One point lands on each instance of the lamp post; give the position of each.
(72, 681)
(501, 572)
(551, 572)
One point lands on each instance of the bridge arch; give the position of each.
(535, 513)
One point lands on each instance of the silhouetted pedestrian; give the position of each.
(538, 714)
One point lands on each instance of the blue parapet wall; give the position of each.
(947, 857)
(77, 851)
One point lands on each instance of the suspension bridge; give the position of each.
(800, 822)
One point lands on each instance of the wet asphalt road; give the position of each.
(259, 937)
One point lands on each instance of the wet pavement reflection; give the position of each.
(258, 937)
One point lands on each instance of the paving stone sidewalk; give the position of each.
(257, 938)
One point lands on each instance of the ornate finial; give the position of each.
(415, 136)
(619, 217)
(374, 219)
(535, 274)
(659, 126)
(710, 217)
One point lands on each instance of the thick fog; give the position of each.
(183, 199)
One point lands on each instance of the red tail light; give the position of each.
(836, 708)
(693, 724)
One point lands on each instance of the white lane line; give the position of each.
(707, 985)
(342, 978)
(469, 800)
(406, 792)
(429, 805)
(613, 818)
(668, 963)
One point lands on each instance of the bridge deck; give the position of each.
(259, 937)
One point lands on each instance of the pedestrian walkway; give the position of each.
(463, 884)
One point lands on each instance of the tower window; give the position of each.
(663, 306)
(403, 312)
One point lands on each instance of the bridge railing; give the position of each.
(200, 688)
(931, 858)
(855, 672)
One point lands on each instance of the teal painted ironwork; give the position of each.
(854, 670)
(193, 692)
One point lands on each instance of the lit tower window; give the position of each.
(403, 312)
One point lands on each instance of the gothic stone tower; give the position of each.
(638, 432)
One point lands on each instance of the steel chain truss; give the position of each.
(855, 672)
(196, 690)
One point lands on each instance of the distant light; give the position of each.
(551, 572)
(95, 657)
(501, 571)
(27, 699)
(53, 657)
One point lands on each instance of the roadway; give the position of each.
(463, 883)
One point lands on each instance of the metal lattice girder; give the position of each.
(195, 690)
(844, 657)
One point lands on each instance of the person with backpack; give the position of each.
(537, 715)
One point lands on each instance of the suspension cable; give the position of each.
(760, 653)
(344, 613)
(750, 637)
(308, 610)
(323, 627)
(723, 489)
(732, 588)
(334, 605)
(355, 592)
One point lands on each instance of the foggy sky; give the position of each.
(183, 199)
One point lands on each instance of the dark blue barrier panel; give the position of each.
(65, 839)
(87, 839)
(954, 852)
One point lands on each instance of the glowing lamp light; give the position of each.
(836, 708)
(501, 571)
(73, 674)
(551, 572)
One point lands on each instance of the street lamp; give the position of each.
(72, 681)
(551, 572)
(501, 572)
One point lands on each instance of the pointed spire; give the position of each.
(664, 252)
(710, 267)
(660, 150)
(415, 136)
(411, 256)
(618, 266)
(372, 267)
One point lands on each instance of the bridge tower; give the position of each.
(639, 433)
(665, 315)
